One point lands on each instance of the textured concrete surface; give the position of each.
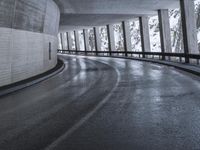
(80, 14)
(85, 21)
(104, 104)
(26, 29)
(24, 54)
(189, 27)
(7, 9)
(31, 15)
(144, 33)
(165, 37)
(8, 89)
(52, 18)
(120, 7)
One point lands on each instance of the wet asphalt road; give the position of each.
(104, 104)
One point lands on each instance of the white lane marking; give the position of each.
(84, 119)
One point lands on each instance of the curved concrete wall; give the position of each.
(26, 29)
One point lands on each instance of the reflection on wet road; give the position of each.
(104, 104)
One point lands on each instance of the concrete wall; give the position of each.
(26, 29)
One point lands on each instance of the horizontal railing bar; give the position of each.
(192, 56)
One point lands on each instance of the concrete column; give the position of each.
(77, 40)
(144, 30)
(67, 36)
(61, 40)
(69, 41)
(127, 36)
(97, 39)
(189, 28)
(165, 37)
(86, 39)
(111, 38)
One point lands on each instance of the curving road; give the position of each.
(104, 104)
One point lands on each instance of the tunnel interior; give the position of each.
(99, 74)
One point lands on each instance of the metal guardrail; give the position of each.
(161, 56)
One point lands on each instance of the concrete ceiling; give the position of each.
(83, 13)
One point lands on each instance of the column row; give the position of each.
(188, 26)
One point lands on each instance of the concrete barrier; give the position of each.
(28, 36)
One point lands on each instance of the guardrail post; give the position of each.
(165, 37)
(86, 40)
(127, 36)
(111, 38)
(189, 28)
(144, 31)
(97, 39)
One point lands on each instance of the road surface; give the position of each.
(104, 104)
